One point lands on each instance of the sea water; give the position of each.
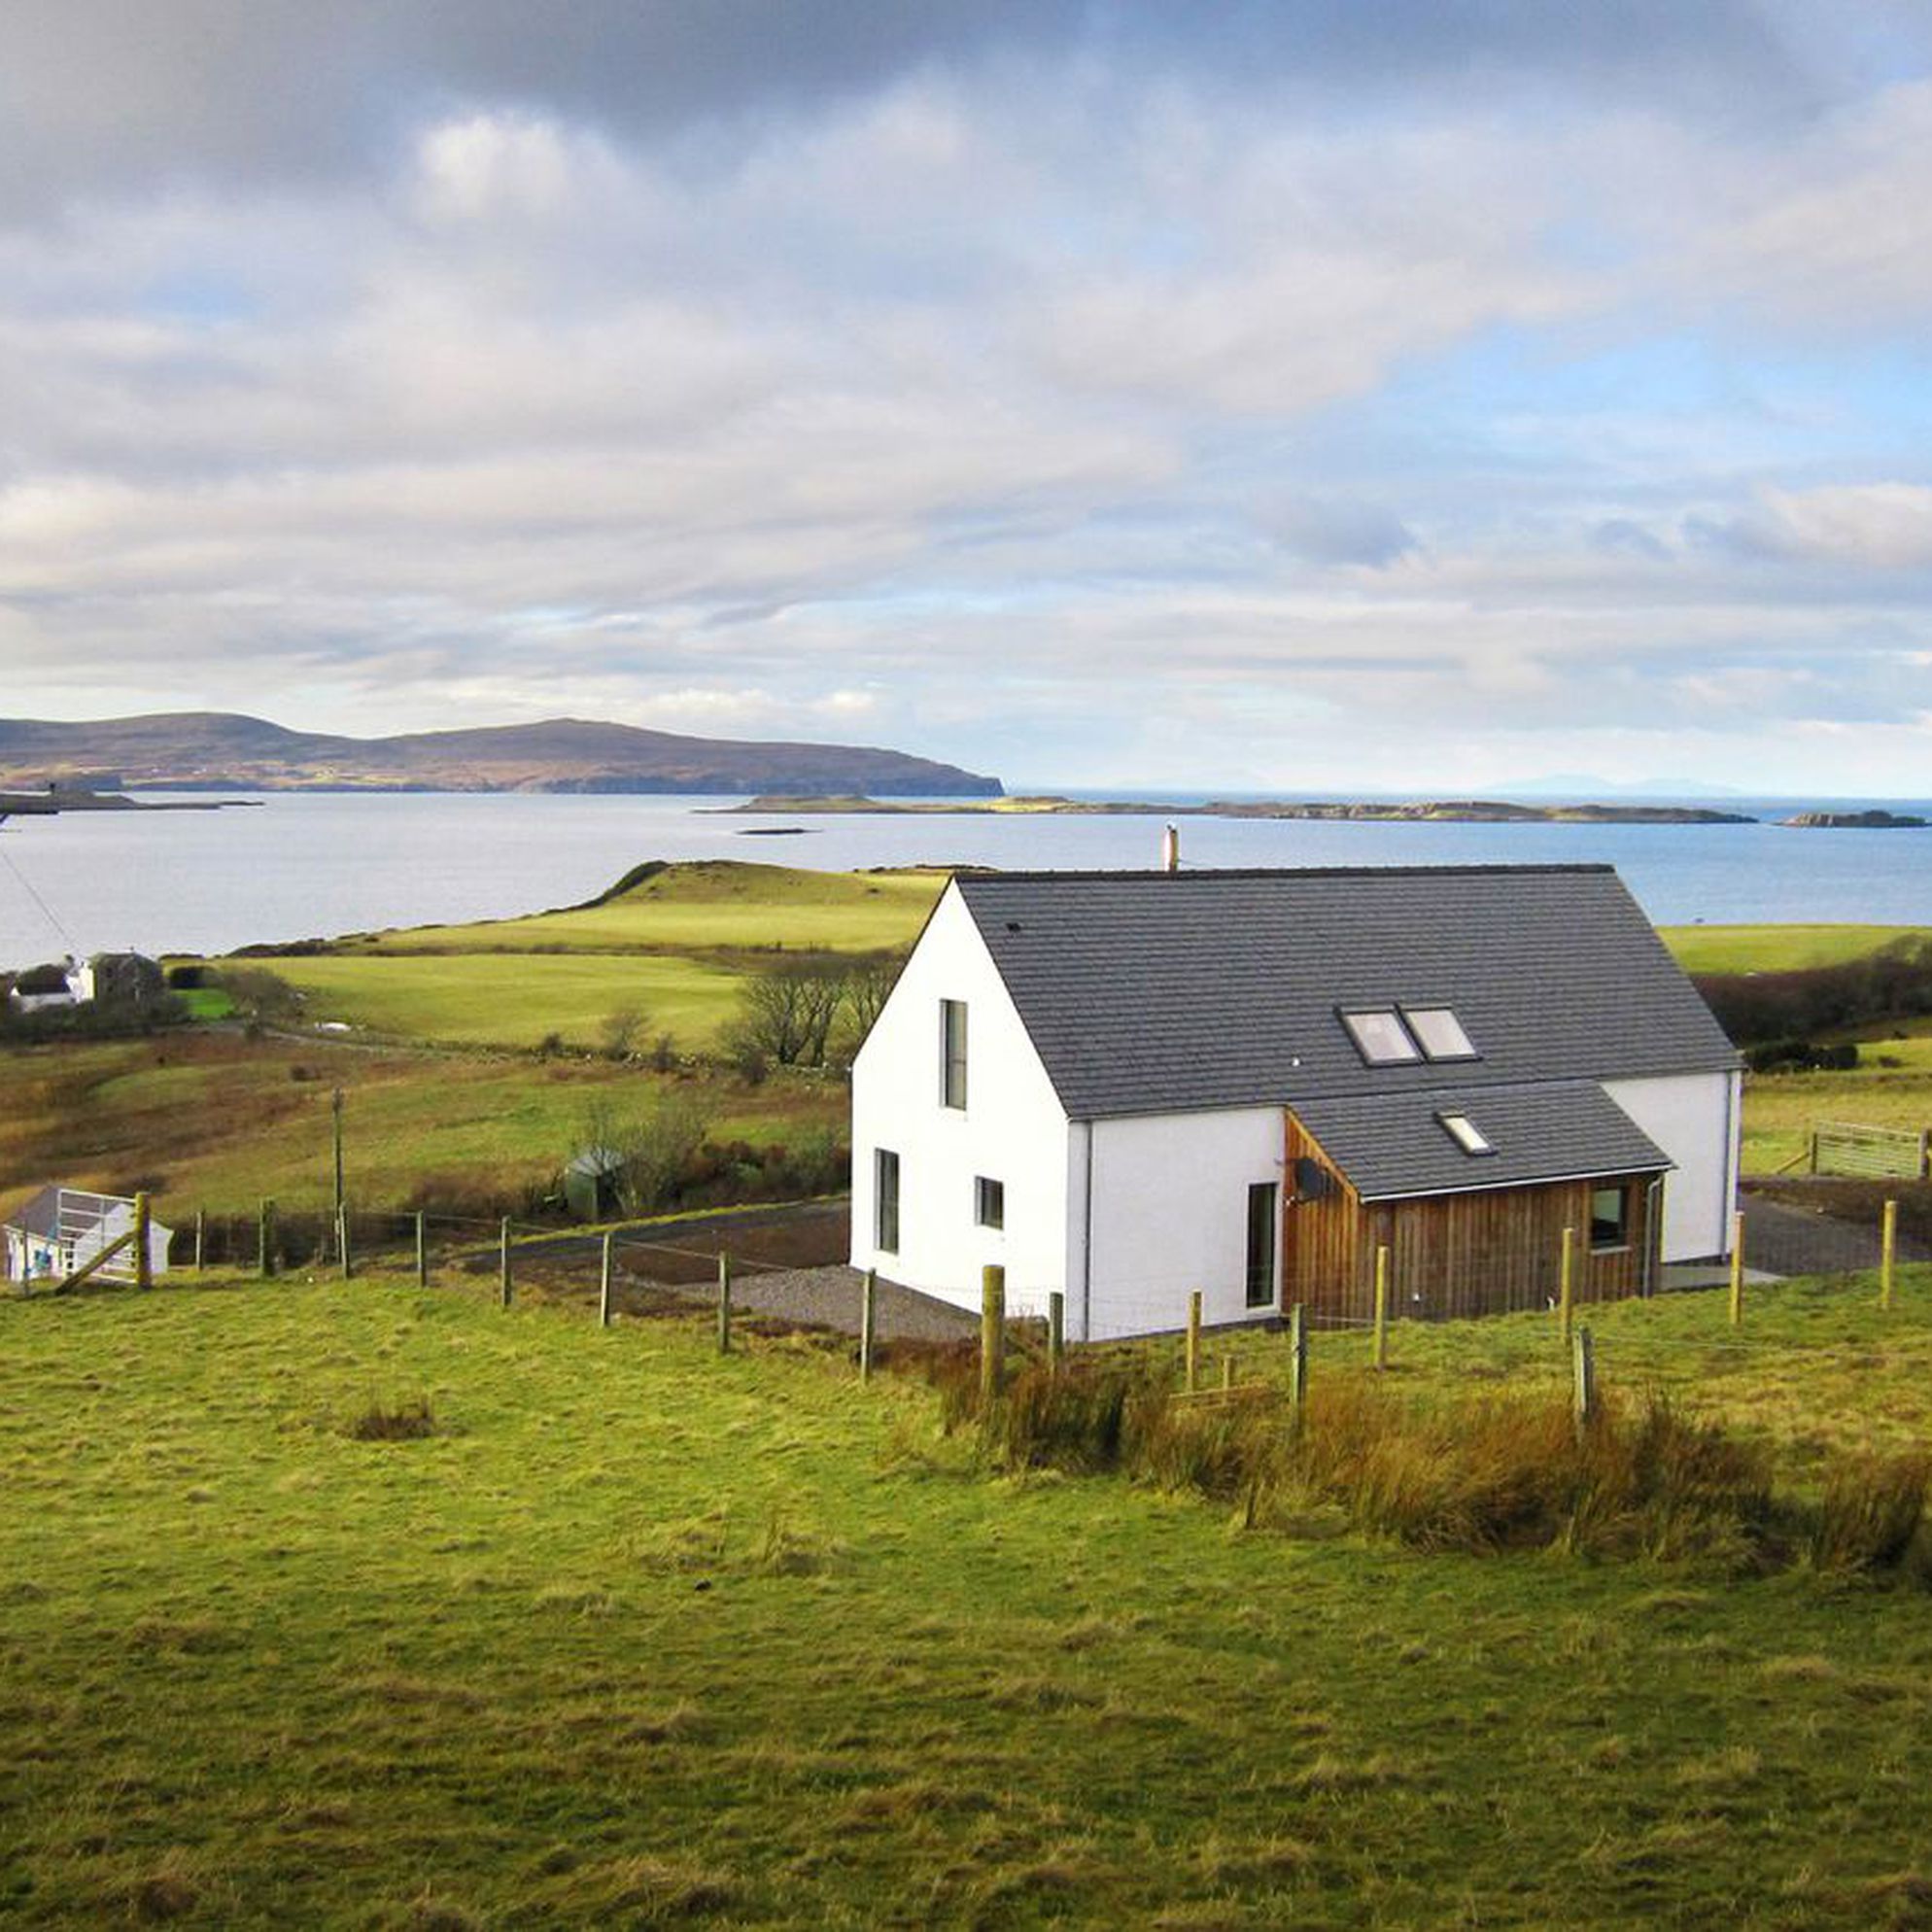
(316, 864)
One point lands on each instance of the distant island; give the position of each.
(221, 751)
(1857, 822)
(1485, 812)
(52, 800)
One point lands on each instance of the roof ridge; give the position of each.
(982, 876)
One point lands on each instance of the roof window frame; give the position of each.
(1390, 1011)
(1409, 1009)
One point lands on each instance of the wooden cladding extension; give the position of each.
(1451, 1254)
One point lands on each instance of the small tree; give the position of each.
(785, 1015)
(868, 984)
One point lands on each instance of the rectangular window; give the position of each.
(1440, 1033)
(988, 1202)
(885, 1201)
(1610, 1218)
(1263, 1219)
(1380, 1037)
(1464, 1132)
(953, 1052)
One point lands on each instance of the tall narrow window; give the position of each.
(1262, 1219)
(988, 1202)
(953, 1052)
(885, 1201)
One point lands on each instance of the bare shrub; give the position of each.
(617, 1035)
(786, 1013)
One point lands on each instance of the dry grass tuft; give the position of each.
(392, 1422)
(1871, 1514)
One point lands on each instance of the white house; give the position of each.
(42, 987)
(1126, 1086)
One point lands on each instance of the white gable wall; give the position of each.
(1012, 1129)
(1170, 1215)
(1694, 1118)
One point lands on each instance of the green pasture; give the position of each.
(721, 906)
(518, 1000)
(1777, 948)
(642, 1635)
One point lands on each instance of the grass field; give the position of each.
(503, 999)
(1779, 949)
(641, 1636)
(216, 1121)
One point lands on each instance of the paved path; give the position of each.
(829, 1298)
(1790, 1240)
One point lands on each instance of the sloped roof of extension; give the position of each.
(1169, 992)
(1393, 1146)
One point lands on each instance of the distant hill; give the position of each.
(220, 751)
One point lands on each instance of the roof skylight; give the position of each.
(1440, 1033)
(1380, 1037)
(1464, 1132)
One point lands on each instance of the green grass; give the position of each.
(637, 1635)
(1777, 949)
(496, 999)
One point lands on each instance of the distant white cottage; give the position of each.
(1127, 1086)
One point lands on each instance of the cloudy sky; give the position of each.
(1289, 397)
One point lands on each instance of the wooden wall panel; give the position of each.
(1451, 1254)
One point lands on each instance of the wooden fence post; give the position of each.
(1228, 1370)
(335, 1107)
(603, 1286)
(1298, 1360)
(506, 1286)
(1193, 1340)
(1737, 1270)
(992, 1335)
(1887, 1253)
(1811, 1149)
(265, 1242)
(868, 1322)
(724, 1304)
(1584, 1367)
(1382, 1306)
(1056, 1331)
(200, 1240)
(342, 1242)
(421, 1248)
(1565, 1286)
(143, 1222)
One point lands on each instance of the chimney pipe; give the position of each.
(1170, 850)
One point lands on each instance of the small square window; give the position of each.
(1440, 1033)
(1380, 1037)
(1610, 1218)
(1464, 1132)
(988, 1202)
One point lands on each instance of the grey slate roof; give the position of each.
(39, 1216)
(1166, 992)
(1392, 1146)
